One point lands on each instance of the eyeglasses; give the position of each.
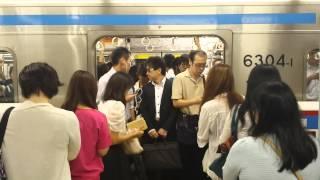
(200, 65)
(150, 69)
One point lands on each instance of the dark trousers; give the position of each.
(137, 167)
(165, 175)
(191, 158)
(116, 165)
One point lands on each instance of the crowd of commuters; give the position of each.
(85, 138)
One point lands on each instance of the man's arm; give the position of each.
(180, 103)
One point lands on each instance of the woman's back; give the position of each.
(211, 122)
(94, 136)
(39, 141)
(251, 158)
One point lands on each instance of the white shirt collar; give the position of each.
(29, 104)
(112, 71)
(162, 83)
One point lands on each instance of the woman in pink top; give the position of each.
(95, 136)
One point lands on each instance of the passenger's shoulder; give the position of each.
(147, 86)
(214, 103)
(180, 76)
(63, 112)
(99, 116)
(244, 144)
(104, 78)
(112, 103)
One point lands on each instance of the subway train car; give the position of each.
(72, 35)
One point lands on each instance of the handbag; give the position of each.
(132, 147)
(162, 156)
(187, 128)
(3, 127)
(217, 165)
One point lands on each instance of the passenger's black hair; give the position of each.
(155, 62)
(103, 68)
(278, 116)
(133, 73)
(169, 60)
(82, 89)
(118, 84)
(37, 77)
(142, 70)
(184, 59)
(193, 53)
(118, 53)
(258, 75)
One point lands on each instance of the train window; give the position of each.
(143, 47)
(312, 75)
(7, 77)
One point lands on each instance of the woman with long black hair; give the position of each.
(258, 75)
(278, 146)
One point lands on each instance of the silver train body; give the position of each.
(64, 34)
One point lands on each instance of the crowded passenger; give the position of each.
(40, 139)
(94, 129)
(139, 76)
(313, 86)
(157, 108)
(181, 63)
(278, 146)
(133, 73)
(258, 75)
(156, 105)
(142, 76)
(120, 59)
(103, 69)
(187, 92)
(113, 106)
(216, 61)
(6, 84)
(218, 99)
(169, 63)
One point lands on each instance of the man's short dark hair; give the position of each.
(193, 54)
(37, 77)
(118, 53)
(155, 62)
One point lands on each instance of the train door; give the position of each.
(143, 44)
(8, 80)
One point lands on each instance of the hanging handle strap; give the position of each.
(278, 152)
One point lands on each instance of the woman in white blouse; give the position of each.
(219, 97)
(113, 106)
(278, 146)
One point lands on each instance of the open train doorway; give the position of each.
(8, 80)
(217, 45)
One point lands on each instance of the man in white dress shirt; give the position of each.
(120, 59)
(158, 111)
